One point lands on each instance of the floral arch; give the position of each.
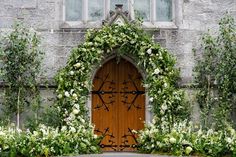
(74, 80)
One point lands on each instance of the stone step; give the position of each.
(123, 154)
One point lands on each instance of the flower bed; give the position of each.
(187, 139)
(47, 141)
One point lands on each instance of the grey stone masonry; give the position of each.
(191, 19)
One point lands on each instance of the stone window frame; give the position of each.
(176, 10)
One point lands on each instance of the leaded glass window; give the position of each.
(163, 10)
(73, 10)
(142, 9)
(95, 10)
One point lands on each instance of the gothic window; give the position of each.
(96, 10)
(164, 10)
(73, 10)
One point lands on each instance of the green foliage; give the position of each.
(74, 81)
(47, 141)
(186, 139)
(216, 73)
(21, 60)
(48, 116)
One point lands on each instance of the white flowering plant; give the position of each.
(47, 141)
(186, 139)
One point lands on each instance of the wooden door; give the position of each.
(118, 105)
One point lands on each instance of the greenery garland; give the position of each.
(75, 82)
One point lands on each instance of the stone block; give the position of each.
(6, 22)
(24, 3)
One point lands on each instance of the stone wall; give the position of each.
(192, 19)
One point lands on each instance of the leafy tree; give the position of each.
(21, 60)
(216, 75)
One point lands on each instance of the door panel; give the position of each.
(118, 105)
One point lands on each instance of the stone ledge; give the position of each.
(124, 154)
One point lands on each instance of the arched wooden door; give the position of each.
(118, 105)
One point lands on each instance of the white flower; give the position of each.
(82, 120)
(75, 111)
(77, 65)
(71, 91)
(72, 129)
(229, 140)
(95, 136)
(156, 71)
(2, 133)
(172, 140)
(59, 96)
(149, 51)
(74, 96)
(63, 128)
(151, 99)
(188, 150)
(72, 116)
(164, 107)
(67, 94)
(77, 106)
(72, 72)
(165, 84)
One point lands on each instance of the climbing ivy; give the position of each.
(215, 74)
(75, 82)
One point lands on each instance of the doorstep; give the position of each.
(123, 154)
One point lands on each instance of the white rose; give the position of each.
(229, 140)
(149, 51)
(67, 94)
(151, 99)
(77, 65)
(164, 107)
(74, 96)
(165, 85)
(72, 129)
(72, 72)
(95, 136)
(75, 111)
(172, 140)
(63, 128)
(156, 71)
(188, 150)
(59, 96)
(77, 106)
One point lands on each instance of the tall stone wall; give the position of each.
(192, 19)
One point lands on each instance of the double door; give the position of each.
(118, 105)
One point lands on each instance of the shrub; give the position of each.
(47, 141)
(187, 139)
